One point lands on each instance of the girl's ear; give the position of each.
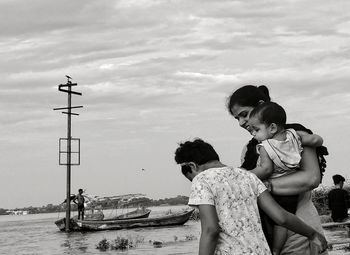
(273, 128)
(193, 166)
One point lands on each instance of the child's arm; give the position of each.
(290, 221)
(311, 140)
(265, 169)
(210, 229)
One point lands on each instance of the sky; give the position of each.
(153, 73)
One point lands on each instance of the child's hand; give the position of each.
(320, 241)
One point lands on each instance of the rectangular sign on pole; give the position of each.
(75, 151)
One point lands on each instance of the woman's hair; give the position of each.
(198, 152)
(270, 112)
(248, 95)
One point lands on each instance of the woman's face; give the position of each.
(241, 114)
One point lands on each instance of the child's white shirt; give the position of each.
(286, 155)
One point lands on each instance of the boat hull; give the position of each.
(162, 221)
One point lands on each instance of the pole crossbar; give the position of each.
(64, 108)
(70, 92)
(69, 84)
(70, 113)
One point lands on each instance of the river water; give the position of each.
(37, 234)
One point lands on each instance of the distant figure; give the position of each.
(338, 199)
(79, 200)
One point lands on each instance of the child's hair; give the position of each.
(198, 152)
(337, 179)
(270, 112)
(80, 190)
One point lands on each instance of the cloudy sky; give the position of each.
(153, 73)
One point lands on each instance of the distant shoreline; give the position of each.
(50, 208)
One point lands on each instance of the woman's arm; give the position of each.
(210, 229)
(305, 179)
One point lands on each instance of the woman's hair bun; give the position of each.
(265, 90)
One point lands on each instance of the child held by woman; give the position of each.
(280, 154)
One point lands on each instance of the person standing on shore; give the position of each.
(338, 200)
(79, 200)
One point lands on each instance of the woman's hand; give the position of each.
(320, 241)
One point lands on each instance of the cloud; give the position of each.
(154, 72)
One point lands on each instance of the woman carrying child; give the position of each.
(240, 104)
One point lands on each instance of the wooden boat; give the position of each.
(160, 221)
(98, 216)
(136, 214)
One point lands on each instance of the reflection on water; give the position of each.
(75, 243)
(37, 234)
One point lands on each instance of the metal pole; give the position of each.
(62, 88)
(68, 158)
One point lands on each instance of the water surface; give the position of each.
(37, 234)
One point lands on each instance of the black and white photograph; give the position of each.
(151, 127)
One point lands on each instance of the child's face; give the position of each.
(259, 130)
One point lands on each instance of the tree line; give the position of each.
(106, 204)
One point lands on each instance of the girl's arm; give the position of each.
(311, 140)
(210, 229)
(265, 169)
(305, 179)
(288, 220)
